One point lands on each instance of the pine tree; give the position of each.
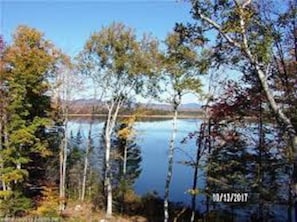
(127, 159)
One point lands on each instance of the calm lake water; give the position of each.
(153, 139)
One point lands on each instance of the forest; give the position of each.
(239, 59)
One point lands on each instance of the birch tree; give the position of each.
(181, 74)
(246, 37)
(117, 62)
(64, 85)
(86, 157)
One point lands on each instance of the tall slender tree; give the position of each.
(87, 153)
(181, 74)
(118, 64)
(65, 84)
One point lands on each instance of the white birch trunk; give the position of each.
(125, 162)
(64, 164)
(110, 124)
(63, 168)
(170, 159)
(108, 188)
(86, 162)
(61, 196)
(64, 144)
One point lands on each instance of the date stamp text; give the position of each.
(230, 197)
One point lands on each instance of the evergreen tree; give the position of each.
(128, 152)
(75, 165)
(29, 61)
(245, 156)
(127, 164)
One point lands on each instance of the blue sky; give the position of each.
(68, 24)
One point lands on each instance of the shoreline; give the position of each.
(181, 116)
(140, 116)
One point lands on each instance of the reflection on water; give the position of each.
(153, 137)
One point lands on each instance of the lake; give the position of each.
(153, 139)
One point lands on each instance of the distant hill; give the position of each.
(190, 106)
(167, 107)
(85, 106)
(85, 102)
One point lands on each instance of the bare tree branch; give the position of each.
(219, 29)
